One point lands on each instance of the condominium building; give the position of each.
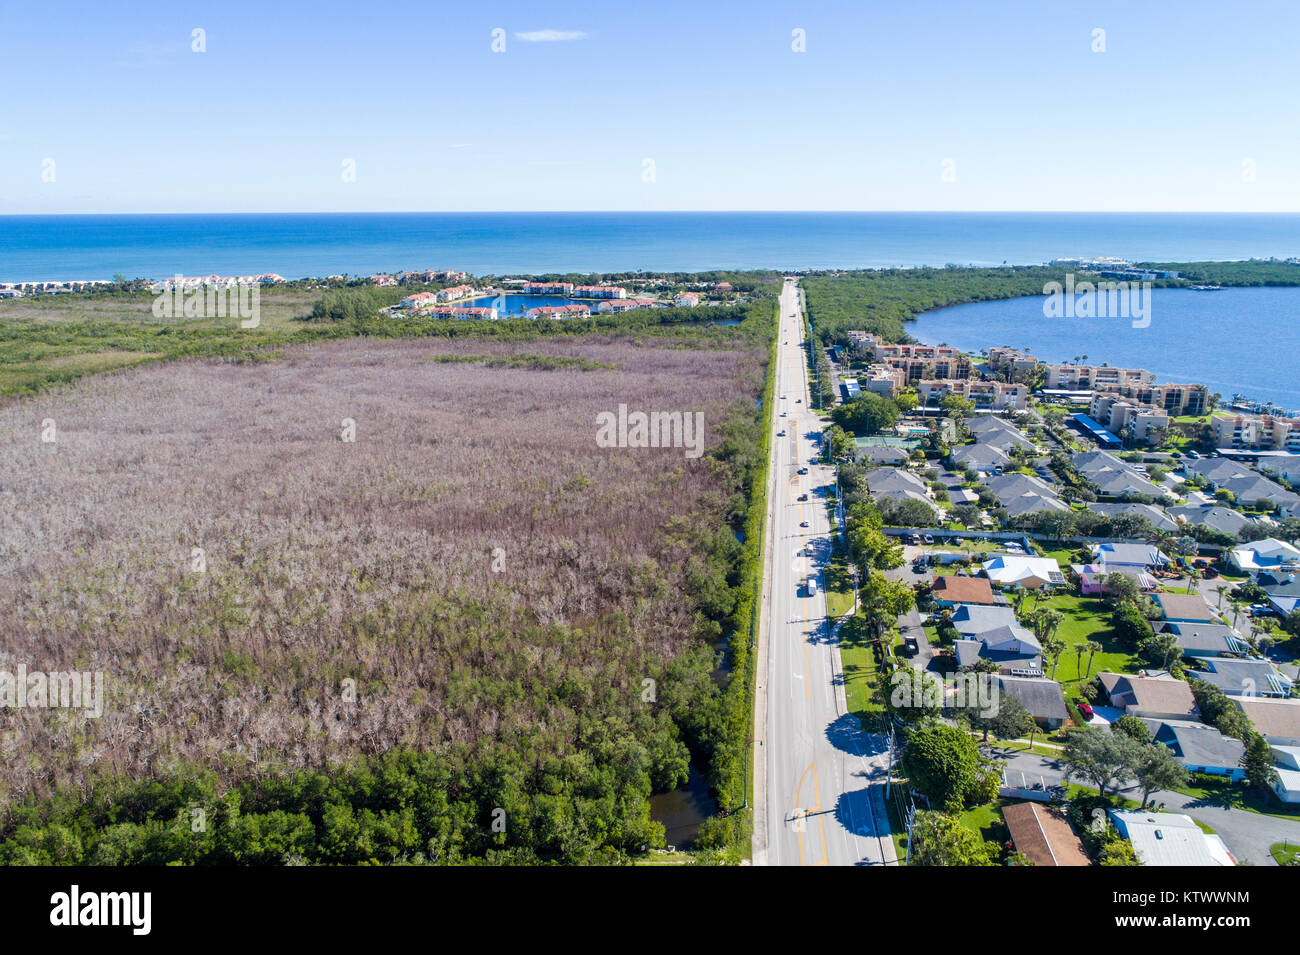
(446, 311)
(559, 311)
(599, 291)
(1011, 359)
(687, 300)
(547, 288)
(984, 395)
(1099, 377)
(1118, 413)
(454, 292)
(882, 380)
(1266, 432)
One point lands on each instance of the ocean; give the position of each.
(1232, 340)
(57, 248)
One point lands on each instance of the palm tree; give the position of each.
(1093, 649)
(1053, 648)
(1220, 591)
(1078, 657)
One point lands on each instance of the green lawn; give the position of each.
(863, 684)
(1284, 853)
(839, 584)
(987, 821)
(1086, 618)
(1237, 796)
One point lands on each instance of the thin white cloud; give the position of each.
(550, 36)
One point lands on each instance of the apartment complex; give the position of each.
(915, 361)
(1135, 383)
(687, 300)
(1011, 359)
(1118, 413)
(453, 292)
(599, 291)
(882, 380)
(1095, 377)
(558, 311)
(1266, 432)
(984, 395)
(547, 288)
(447, 311)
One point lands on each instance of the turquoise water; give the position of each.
(34, 248)
(1234, 340)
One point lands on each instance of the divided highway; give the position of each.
(819, 780)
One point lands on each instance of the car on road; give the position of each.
(803, 470)
(781, 433)
(783, 414)
(803, 497)
(798, 401)
(1085, 711)
(812, 586)
(803, 523)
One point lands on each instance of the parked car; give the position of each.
(1086, 711)
(1211, 573)
(927, 539)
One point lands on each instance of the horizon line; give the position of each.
(669, 212)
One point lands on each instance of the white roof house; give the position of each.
(1015, 570)
(1168, 838)
(1267, 554)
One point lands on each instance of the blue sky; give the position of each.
(1185, 98)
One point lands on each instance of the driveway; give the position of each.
(1246, 834)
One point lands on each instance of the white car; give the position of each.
(812, 586)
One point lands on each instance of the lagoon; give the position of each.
(1233, 340)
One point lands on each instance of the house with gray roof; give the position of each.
(1121, 554)
(1200, 748)
(1023, 494)
(1041, 697)
(1236, 677)
(1205, 639)
(894, 484)
(979, 457)
(1215, 517)
(1157, 517)
(1015, 650)
(971, 620)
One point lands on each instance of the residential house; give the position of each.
(1286, 762)
(950, 591)
(1283, 589)
(1185, 608)
(1236, 677)
(1093, 578)
(1198, 640)
(1215, 517)
(1120, 554)
(1015, 650)
(1200, 748)
(1024, 494)
(1157, 517)
(1162, 697)
(983, 458)
(897, 485)
(1041, 697)
(1043, 835)
(1169, 839)
(1015, 570)
(1269, 554)
(1277, 720)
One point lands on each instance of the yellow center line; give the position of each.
(815, 810)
